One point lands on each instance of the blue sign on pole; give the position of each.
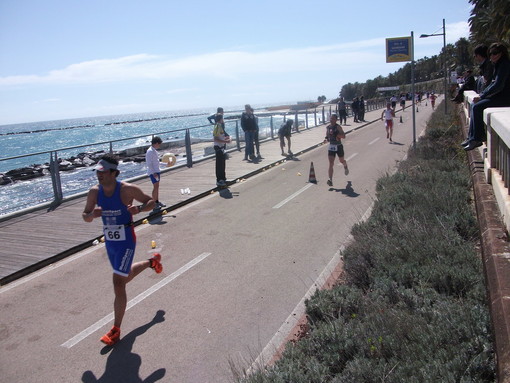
(399, 49)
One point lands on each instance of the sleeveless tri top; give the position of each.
(332, 133)
(114, 211)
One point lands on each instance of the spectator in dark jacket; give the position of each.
(361, 109)
(355, 109)
(249, 126)
(485, 66)
(469, 84)
(496, 94)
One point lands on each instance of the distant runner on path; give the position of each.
(334, 135)
(433, 100)
(114, 200)
(387, 116)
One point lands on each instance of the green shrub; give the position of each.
(413, 308)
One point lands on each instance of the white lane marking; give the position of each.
(100, 323)
(374, 141)
(351, 156)
(71, 258)
(279, 205)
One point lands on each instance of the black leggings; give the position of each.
(220, 164)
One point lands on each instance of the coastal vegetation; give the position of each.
(489, 22)
(459, 57)
(411, 305)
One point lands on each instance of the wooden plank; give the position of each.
(39, 235)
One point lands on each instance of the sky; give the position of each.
(63, 59)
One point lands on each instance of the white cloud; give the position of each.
(48, 100)
(229, 64)
(456, 30)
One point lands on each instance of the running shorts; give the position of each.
(153, 178)
(339, 151)
(121, 252)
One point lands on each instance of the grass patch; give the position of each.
(413, 307)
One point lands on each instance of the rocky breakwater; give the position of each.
(39, 170)
(135, 154)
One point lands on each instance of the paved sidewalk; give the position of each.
(37, 239)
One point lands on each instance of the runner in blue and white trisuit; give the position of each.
(112, 200)
(334, 135)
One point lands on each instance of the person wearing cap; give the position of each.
(113, 201)
(285, 131)
(334, 135)
(152, 161)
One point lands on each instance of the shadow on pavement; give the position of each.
(348, 191)
(123, 365)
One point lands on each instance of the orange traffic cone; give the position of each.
(312, 178)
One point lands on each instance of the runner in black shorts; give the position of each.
(334, 135)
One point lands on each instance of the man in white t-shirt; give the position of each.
(152, 161)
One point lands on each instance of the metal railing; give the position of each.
(188, 147)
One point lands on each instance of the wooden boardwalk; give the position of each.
(36, 239)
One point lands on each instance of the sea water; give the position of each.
(23, 140)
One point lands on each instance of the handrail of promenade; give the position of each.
(496, 154)
(320, 114)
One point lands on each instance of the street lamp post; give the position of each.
(444, 63)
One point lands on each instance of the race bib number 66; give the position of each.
(114, 232)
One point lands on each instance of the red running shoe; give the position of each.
(111, 337)
(155, 263)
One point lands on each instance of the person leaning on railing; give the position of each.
(496, 94)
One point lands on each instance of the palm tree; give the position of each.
(489, 21)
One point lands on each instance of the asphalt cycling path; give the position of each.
(237, 267)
